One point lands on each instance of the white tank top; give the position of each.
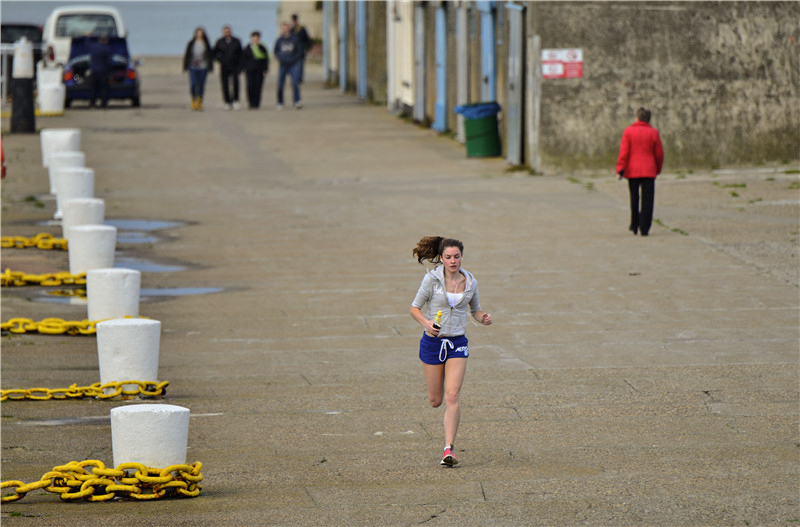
(454, 298)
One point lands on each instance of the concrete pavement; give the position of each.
(626, 380)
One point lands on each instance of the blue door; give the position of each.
(361, 48)
(440, 107)
(515, 86)
(488, 68)
(343, 45)
(326, 42)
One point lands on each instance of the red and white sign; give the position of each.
(562, 63)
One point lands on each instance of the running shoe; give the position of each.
(448, 459)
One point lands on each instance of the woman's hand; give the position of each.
(430, 329)
(483, 318)
(417, 315)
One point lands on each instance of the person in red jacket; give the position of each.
(2, 160)
(641, 157)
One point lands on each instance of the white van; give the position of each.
(77, 21)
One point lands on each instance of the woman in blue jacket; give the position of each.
(443, 348)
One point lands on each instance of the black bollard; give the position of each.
(22, 115)
(23, 119)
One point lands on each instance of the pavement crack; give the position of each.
(421, 425)
(433, 516)
(483, 492)
(310, 497)
(631, 385)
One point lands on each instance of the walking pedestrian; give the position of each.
(641, 157)
(100, 65)
(305, 42)
(197, 60)
(228, 52)
(255, 62)
(289, 52)
(451, 291)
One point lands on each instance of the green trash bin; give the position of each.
(480, 129)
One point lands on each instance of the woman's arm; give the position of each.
(417, 315)
(483, 318)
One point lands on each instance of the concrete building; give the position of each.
(721, 78)
(308, 13)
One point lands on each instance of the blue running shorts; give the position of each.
(436, 350)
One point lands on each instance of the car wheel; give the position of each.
(67, 103)
(136, 102)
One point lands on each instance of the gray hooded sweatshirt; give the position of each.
(432, 292)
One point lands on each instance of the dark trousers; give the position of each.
(294, 72)
(255, 81)
(99, 88)
(226, 75)
(642, 216)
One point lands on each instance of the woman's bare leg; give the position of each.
(454, 371)
(434, 378)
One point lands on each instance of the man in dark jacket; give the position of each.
(305, 40)
(228, 52)
(100, 65)
(289, 52)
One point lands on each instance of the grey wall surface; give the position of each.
(721, 79)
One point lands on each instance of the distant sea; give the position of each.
(164, 28)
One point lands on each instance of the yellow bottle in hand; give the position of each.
(438, 320)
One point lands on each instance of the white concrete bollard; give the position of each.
(50, 98)
(59, 160)
(59, 140)
(23, 59)
(113, 293)
(71, 183)
(127, 350)
(48, 75)
(155, 435)
(91, 247)
(81, 211)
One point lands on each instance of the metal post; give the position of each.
(22, 113)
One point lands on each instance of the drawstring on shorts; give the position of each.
(443, 349)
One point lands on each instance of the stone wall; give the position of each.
(721, 78)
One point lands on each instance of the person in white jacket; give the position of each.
(444, 348)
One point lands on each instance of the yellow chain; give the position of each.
(75, 293)
(50, 326)
(143, 388)
(19, 278)
(54, 326)
(72, 481)
(40, 241)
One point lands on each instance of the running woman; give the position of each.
(443, 348)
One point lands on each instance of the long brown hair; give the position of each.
(431, 248)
